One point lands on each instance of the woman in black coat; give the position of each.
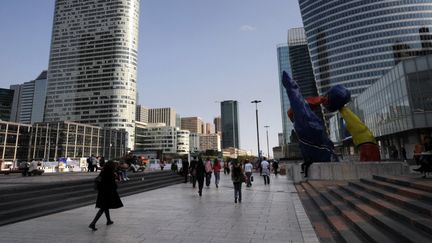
(200, 172)
(107, 194)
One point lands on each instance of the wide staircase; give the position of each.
(22, 203)
(381, 209)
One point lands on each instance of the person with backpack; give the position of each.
(108, 197)
(200, 174)
(237, 177)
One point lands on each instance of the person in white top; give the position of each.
(265, 166)
(248, 167)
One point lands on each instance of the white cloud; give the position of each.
(247, 28)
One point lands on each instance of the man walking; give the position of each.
(248, 171)
(265, 166)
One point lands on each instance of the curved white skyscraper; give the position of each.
(92, 70)
(354, 43)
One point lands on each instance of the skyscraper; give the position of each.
(193, 124)
(6, 98)
(354, 43)
(301, 67)
(92, 71)
(229, 124)
(142, 114)
(217, 124)
(29, 100)
(284, 65)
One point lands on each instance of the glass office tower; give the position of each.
(229, 123)
(354, 43)
(284, 65)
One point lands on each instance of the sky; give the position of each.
(192, 55)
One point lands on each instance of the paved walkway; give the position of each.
(270, 214)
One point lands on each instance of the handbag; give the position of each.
(251, 178)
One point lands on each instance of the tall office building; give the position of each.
(141, 114)
(229, 123)
(284, 65)
(301, 67)
(209, 128)
(217, 124)
(29, 100)
(162, 115)
(354, 43)
(193, 124)
(92, 71)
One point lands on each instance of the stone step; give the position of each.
(57, 203)
(361, 224)
(324, 231)
(403, 181)
(401, 190)
(395, 228)
(416, 220)
(336, 221)
(408, 203)
(25, 198)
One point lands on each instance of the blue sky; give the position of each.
(192, 53)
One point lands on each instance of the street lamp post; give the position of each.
(256, 115)
(268, 151)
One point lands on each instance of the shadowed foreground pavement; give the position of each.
(177, 214)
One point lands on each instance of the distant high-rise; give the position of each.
(193, 124)
(229, 124)
(141, 114)
(29, 100)
(284, 65)
(92, 71)
(301, 66)
(354, 43)
(209, 128)
(162, 115)
(217, 124)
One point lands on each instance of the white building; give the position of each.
(92, 71)
(194, 142)
(158, 136)
(210, 142)
(28, 104)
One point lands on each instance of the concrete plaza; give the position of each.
(270, 214)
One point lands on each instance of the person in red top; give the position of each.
(216, 169)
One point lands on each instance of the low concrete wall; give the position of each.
(347, 170)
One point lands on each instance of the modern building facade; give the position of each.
(209, 128)
(6, 99)
(229, 123)
(92, 71)
(284, 64)
(210, 142)
(142, 114)
(29, 100)
(398, 107)
(53, 140)
(193, 124)
(159, 137)
(14, 142)
(354, 43)
(162, 115)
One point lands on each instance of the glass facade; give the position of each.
(401, 100)
(6, 99)
(284, 65)
(354, 43)
(229, 123)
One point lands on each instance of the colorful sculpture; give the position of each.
(314, 143)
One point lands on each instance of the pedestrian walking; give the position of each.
(107, 197)
(208, 171)
(216, 169)
(200, 174)
(403, 154)
(248, 167)
(226, 168)
(185, 170)
(193, 172)
(275, 165)
(265, 171)
(237, 178)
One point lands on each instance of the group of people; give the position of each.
(423, 156)
(32, 168)
(95, 163)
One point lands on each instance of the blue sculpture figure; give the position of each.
(314, 143)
